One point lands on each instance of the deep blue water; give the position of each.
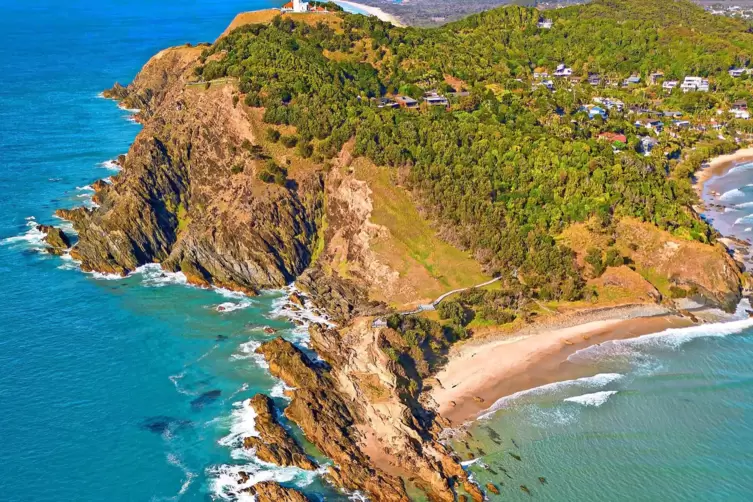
(102, 380)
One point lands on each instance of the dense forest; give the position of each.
(506, 167)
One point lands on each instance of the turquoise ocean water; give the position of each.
(132, 389)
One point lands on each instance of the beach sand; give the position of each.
(479, 373)
(718, 166)
(374, 11)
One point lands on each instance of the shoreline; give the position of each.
(719, 166)
(478, 374)
(360, 8)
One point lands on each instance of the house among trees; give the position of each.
(594, 79)
(563, 71)
(632, 80)
(695, 84)
(431, 98)
(540, 73)
(647, 144)
(406, 102)
(740, 104)
(738, 72)
(386, 103)
(545, 24)
(613, 137)
(669, 85)
(656, 126)
(654, 78)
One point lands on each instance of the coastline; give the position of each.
(479, 373)
(719, 166)
(359, 8)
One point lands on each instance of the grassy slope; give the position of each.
(413, 248)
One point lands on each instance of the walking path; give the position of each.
(380, 322)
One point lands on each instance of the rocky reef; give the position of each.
(274, 444)
(355, 415)
(269, 491)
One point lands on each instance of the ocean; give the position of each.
(126, 389)
(133, 389)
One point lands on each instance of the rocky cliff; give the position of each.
(189, 196)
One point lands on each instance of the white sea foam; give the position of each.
(731, 195)
(744, 205)
(593, 382)
(747, 219)
(595, 399)
(278, 390)
(637, 349)
(130, 110)
(227, 482)
(741, 167)
(112, 165)
(242, 424)
(33, 238)
(248, 351)
(175, 379)
(85, 188)
(468, 463)
(731, 210)
(154, 276)
(174, 460)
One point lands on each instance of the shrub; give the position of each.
(593, 258)
(273, 135)
(236, 169)
(289, 141)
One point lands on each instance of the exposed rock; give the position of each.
(274, 444)
(340, 298)
(55, 238)
(326, 420)
(176, 201)
(396, 429)
(269, 491)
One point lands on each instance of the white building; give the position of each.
(563, 71)
(295, 6)
(695, 84)
(668, 85)
(545, 24)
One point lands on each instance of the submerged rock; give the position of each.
(205, 399)
(491, 488)
(274, 444)
(162, 424)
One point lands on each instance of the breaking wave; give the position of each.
(731, 195)
(592, 382)
(594, 399)
(33, 238)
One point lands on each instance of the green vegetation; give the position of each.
(272, 173)
(508, 167)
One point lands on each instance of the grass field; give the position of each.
(427, 264)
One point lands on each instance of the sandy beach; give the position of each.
(479, 373)
(374, 11)
(719, 166)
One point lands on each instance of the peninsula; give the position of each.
(379, 167)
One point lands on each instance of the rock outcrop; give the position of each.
(189, 196)
(56, 239)
(353, 412)
(328, 421)
(274, 444)
(269, 491)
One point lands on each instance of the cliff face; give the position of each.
(188, 195)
